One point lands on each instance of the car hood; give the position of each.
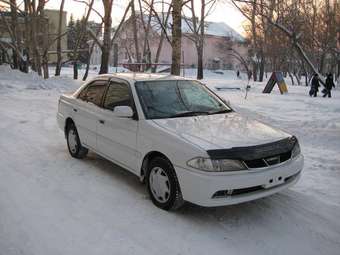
(222, 131)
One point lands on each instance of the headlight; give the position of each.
(296, 150)
(221, 165)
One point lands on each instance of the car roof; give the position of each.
(133, 77)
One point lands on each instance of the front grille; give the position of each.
(256, 163)
(268, 161)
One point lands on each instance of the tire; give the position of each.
(162, 185)
(73, 142)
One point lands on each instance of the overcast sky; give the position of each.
(223, 12)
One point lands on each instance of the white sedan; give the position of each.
(180, 138)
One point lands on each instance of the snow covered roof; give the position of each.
(211, 28)
(222, 29)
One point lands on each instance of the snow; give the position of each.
(51, 203)
(211, 28)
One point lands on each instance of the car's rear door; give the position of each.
(85, 112)
(117, 136)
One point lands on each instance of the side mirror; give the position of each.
(123, 111)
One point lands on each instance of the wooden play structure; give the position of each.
(276, 77)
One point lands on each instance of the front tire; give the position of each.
(162, 185)
(73, 142)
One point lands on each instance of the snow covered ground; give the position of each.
(52, 204)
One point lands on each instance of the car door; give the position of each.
(86, 110)
(117, 136)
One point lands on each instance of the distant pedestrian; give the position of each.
(315, 86)
(329, 85)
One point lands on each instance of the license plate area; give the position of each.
(274, 181)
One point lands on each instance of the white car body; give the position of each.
(127, 142)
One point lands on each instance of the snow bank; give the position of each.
(14, 79)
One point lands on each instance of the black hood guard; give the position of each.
(255, 152)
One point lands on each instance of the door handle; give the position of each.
(101, 121)
(75, 110)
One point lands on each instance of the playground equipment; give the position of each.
(276, 77)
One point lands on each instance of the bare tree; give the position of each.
(15, 35)
(176, 37)
(134, 27)
(58, 64)
(106, 46)
(292, 22)
(81, 35)
(163, 27)
(146, 54)
(90, 53)
(11, 27)
(197, 29)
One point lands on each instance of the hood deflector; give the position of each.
(255, 152)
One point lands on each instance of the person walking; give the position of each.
(315, 86)
(329, 85)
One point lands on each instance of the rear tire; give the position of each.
(162, 185)
(73, 142)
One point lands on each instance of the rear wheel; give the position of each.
(73, 142)
(163, 186)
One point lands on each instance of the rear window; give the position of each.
(94, 92)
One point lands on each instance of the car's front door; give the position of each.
(117, 136)
(85, 112)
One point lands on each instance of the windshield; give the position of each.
(170, 99)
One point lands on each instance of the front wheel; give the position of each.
(73, 142)
(163, 186)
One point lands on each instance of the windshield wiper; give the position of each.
(220, 111)
(189, 113)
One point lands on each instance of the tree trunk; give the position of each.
(135, 34)
(75, 69)
(262, 66)
(58, 65)
(322, 62)
(87, 67)
(254, 70)
(254, 41)
(200, 47)
(298, 78)
(158, 52)
(15, 39)
(176, 37)
(199, 63)
(27, 35)
(292, 78)
(45, 69)
(104, 64)
(36, 53)
(106, 47)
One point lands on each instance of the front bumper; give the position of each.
(200, 187)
